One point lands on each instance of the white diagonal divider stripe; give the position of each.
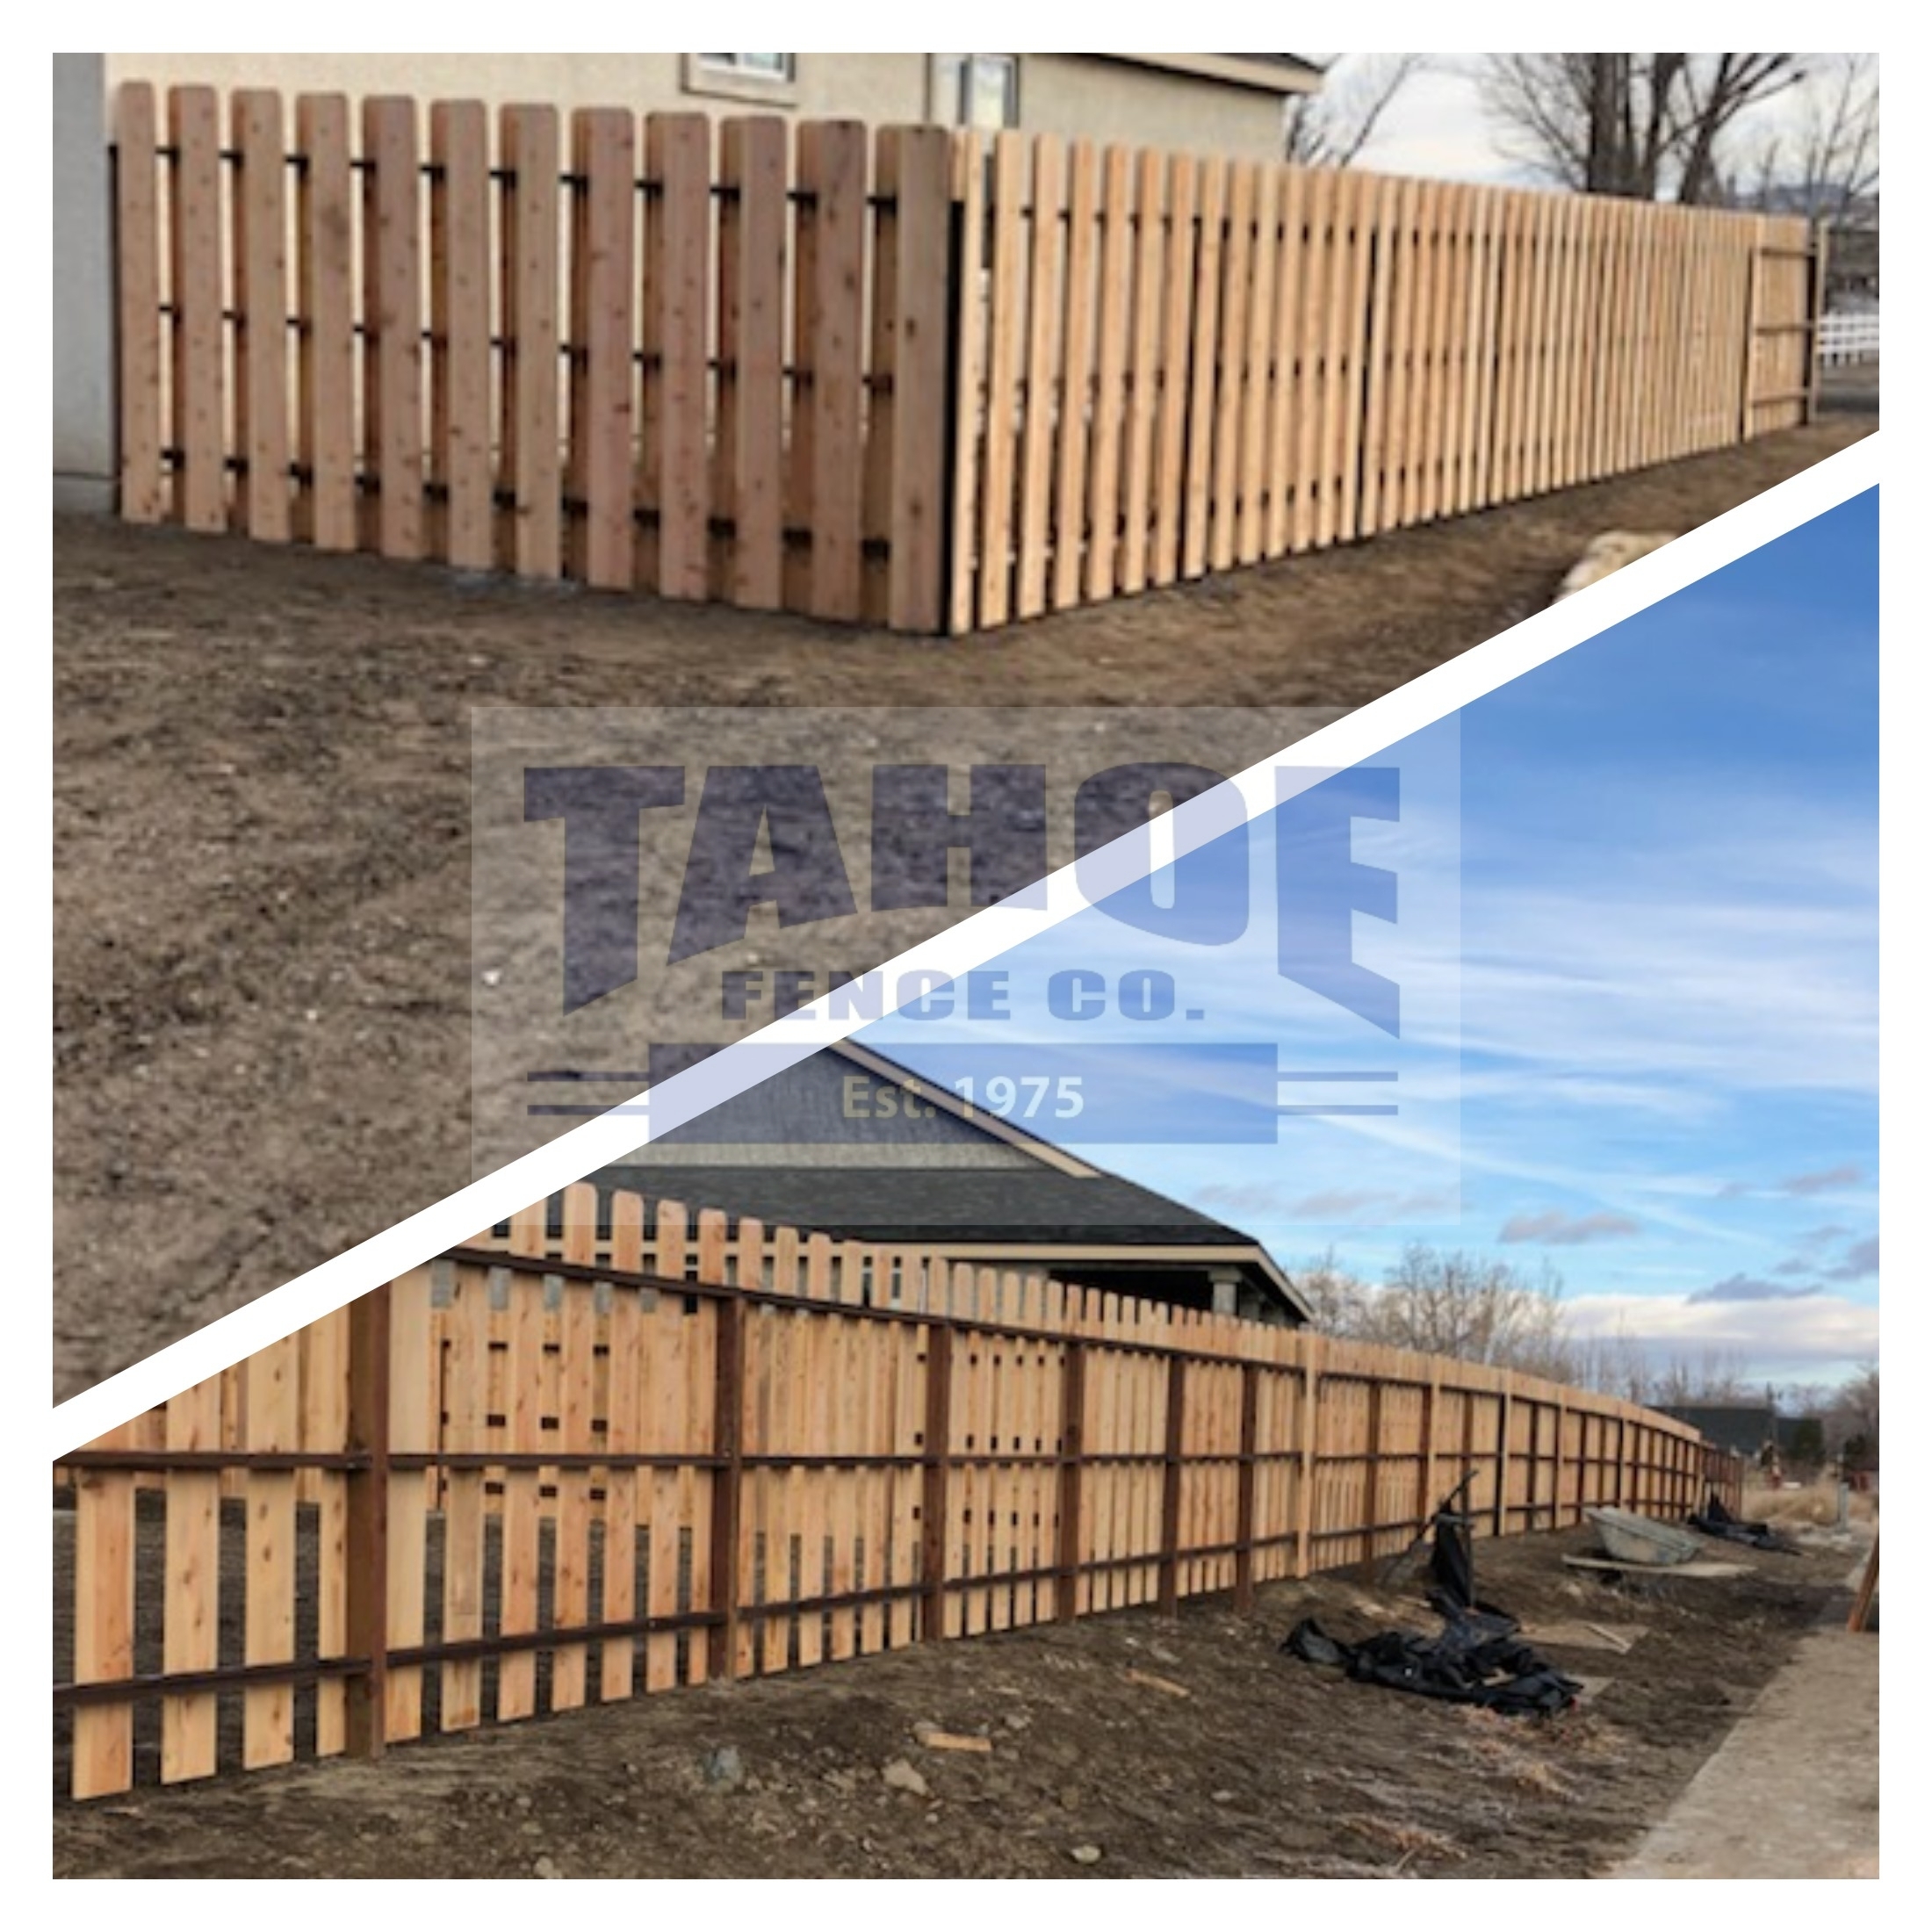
(977, 938)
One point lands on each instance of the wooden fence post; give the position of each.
(1244, 1487)
(727, 1426)
(1425, 1466)
(366, 1617)
(1170, 1478)
(935, 1501)
(1502, 1524)
(1073, 1448)
(1372, 1490)
(1754, 271)
(1814, 316)
(1311, 1448)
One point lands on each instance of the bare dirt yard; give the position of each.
(261, 851)
(1124, 1746)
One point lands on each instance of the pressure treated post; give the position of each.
(367, 1619)
(1170, 1475)
(1073, 1446)
(933, 1502)
(1752, 299)
(1425, 1462)
(728, 1483)
(1244, 1485)
(1502, 1523)
(1814, 316)
(1311, 1449)
(1372, 1485)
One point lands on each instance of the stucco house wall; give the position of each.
(1105, 97)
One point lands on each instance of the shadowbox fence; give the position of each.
(601, 1454)
(907, 376)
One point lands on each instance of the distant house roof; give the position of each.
(959, 1180)
(1743, 1428)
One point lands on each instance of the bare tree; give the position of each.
(1337, 1300)
(1647, 126)
(1475, 1309)
(1851, 1423)
(1329, 128)
(1717, 1375)
(1823, 162)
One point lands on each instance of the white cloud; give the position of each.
(1783, 1337)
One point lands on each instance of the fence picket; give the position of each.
(191, 1609)
(260, 212)
(459, 305)
(678, 156)
(832, 220)
(326, 508)
(199, 391)
(1045, 300)
(137, 298)
(393, 443)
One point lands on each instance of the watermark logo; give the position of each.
(652, 886)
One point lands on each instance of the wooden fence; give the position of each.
(552, 1469)
(900, 376)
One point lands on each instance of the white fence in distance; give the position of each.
(1847, 338)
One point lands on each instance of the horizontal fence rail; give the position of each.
(902, 375)
(581, 1465)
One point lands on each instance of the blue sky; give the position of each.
(1664, 986)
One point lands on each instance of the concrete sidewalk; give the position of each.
(1793, 1792)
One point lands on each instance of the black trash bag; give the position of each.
(1451, 1558)
(1478, 1657)
(1717, 1521)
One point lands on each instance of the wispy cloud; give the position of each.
(1828, 1180)
(1744, 1287)
(1861, 1260)
(1556, 1229)
(1795, 1337)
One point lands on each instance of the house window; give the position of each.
(976, 90)
(770, 80)
(764, 67)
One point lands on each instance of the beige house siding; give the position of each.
(1117, 98)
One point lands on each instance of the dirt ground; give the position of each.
(262, 856)
(1238, 1762)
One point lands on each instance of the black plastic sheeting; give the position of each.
(1477, 1657)
(1715, 1520)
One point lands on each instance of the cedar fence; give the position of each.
(905, 375)
(584, 1465)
